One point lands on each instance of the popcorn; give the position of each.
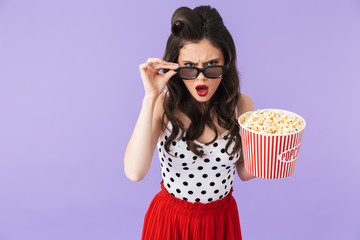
(271, 122)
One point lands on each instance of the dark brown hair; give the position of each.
(189, 25)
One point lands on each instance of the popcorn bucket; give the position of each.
(268, 155)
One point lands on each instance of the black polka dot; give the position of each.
(224, 181)
(173, 143)
(215, 144)
(191, 175)
(159, 149)
(221, 196)
(222, 150)
(206, 160)
(210, 199)
(212, 184)
(214, 168)
(173, 194)
(200, 168)
(168, 185)
(183, 139)
(162, 159)
(225, 186)
(161, 143)
(218, 175)
(166, 137)
(178, 190)
(167, 170)
(231, 182)
(186, 168)
(227, 167)
(197, 200)
(182, 155)
(171, 179)
(185, 199)
(190, 192)
(187, 148)
(161, 164)
(170, 165)
(229, 177)
(234, 172)
(185, 183)
(230, 158)
(194, 157)
(184, 164)
(229, 171)
(218, 159)
(216, 191)
(203, 192)
(170, 160)
(204, 175)
(164, 174)
(198, 184)
(176, 154)
(177, 174)
(226, 193)
(223, 165)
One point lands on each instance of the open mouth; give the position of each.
(202, 90)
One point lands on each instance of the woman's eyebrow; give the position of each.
(211, 60)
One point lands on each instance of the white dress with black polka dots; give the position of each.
(196, 179)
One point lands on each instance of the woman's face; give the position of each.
(201, 54)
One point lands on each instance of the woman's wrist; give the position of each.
(149, 99)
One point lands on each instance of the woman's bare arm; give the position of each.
(245, 104)
(140, 149)
(141, 146)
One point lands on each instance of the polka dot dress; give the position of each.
(196, 179)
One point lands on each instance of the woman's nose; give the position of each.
(201, 76)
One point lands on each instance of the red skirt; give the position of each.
(171, 218)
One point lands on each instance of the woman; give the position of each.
(194, 124)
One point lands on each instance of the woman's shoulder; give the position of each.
(245, 104)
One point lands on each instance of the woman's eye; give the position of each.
(212, 63)
(189, 64)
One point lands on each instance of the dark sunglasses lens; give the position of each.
(214, 72)
(188, 72)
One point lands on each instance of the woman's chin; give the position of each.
(201, 99)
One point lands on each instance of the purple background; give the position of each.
(70, 93)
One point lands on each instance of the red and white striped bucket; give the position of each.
(270, 155)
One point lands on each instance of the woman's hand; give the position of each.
(154, 82)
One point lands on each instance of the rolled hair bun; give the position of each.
(194, 24)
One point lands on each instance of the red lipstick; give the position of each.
(202, 90)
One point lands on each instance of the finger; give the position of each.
(160, 63)
(168, 75)
(152, 62)
(159, 66)
(159, 60)
(149, 62)
(142, 66)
